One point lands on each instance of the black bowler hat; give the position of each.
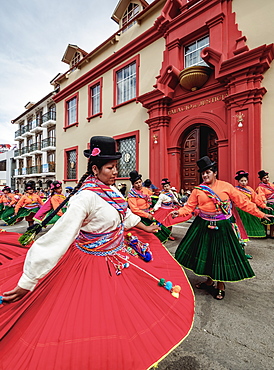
(7, 188)
(165, 181)
(262, 174)
(102, 147)
(204, 163)
(240, 174)
(29, 186)
(134, 176)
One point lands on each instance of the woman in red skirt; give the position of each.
(87, 298)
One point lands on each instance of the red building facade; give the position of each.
(216, 112)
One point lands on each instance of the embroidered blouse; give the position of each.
(27, 200)
(139, 205)
(226, 192)
(8, 199)
(252, 196)
(86, 212)
(167, 198)
(265, 191)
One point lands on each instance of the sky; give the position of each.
(34, 35)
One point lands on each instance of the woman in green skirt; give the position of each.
(252, 224)
(211, 247)
(140, 203)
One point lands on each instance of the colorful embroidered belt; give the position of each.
(270, 199)
(214, 216)
(32, 205)
(167, 205)
(101, 244)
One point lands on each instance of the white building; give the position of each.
(35, 154)
(7, 166)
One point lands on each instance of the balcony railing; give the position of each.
(18, 133)
(35, 146)
(35, 123)
(24, 150)
(25, 129)
(17, 171)
(49, 116)
(51, 167)
(34, 169)
(17, 152)
(50, 141)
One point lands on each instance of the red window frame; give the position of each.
(90, 86)
(137, 140)
(66, 163)
(135, 59)
(76, 95)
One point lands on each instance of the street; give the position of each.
(233, 334)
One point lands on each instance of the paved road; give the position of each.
(234, 334)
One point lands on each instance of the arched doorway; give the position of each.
(197, 141)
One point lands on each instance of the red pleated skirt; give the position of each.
(82, 315)
(10, 247)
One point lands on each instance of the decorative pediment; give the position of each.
(73, 55)
(124, 6)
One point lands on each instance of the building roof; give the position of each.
(122, 6)
(70, 52)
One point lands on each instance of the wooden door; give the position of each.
(200, 141)
(190, 155)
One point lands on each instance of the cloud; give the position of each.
(34, 35)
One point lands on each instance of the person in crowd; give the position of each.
(85, 300)
(7, 203)
(266, 191)
(55, 199)
(17, 194)
(68, 190)
(155, 191)
(27, 206)
(210, 246)
(253, 226)
(139, 201)
(41, 194)
(123, 189)
(167, 201)
(183, 196)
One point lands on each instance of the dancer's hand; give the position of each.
(174, 214)
(268, 208)
(150, 216)
(149, 229)
(268, 217)
(153, 229)
(14, 295)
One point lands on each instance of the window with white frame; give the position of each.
(71, 106)
(76, 58)
(127, 163)
(95, 92)
(131, 12)
(126, 83)
(193, 50)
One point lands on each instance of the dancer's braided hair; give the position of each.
(99, 163)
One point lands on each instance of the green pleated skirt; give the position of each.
(162, 234)
(55, 218)
(1, 208)
(252, 224)
(268, 212)
(7, 213)
(23, 212)
(214, 253)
